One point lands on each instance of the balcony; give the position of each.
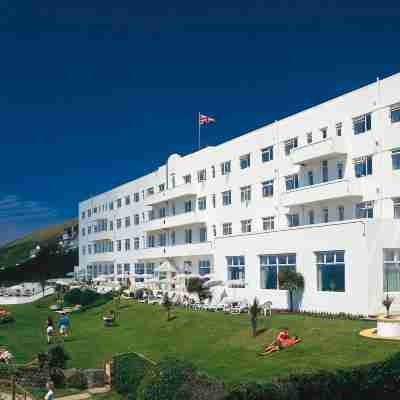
(100, 257)
(103, 235)
(184, 219)
(324, 149)
(171, 194)
(336, 189)
(182, 250)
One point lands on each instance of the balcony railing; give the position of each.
(341, 188)
(171, 194)
(324, 149)
(174, 221)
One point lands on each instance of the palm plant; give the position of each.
(254, 312)
(196, 285)
(387, 302)
(291, 281)
(167, 304)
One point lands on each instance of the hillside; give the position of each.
(17, 251)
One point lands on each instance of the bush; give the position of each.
(128, 371)
(378, 380)
(73, 297)
(88, 297)
(57, 356)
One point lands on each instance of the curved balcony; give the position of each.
(337, 189)
(324, 149)
(184, 219)
(171, 194)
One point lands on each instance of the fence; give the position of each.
(11, 300)
(17, 392)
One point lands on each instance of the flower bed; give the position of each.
(5, 316)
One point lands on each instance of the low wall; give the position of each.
(25, 299)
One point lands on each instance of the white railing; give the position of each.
(10, 300)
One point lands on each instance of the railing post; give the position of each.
(13, 388)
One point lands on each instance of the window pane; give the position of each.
(269, 277)
(391, 277)
(331, 277)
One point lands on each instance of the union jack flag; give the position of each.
(204, 119)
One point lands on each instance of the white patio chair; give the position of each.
(240, 307)
(267, 308)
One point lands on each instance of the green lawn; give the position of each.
(220, 344)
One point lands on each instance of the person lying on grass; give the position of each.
(282, 341)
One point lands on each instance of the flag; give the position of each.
(204, 119)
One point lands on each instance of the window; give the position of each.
(396, 208)
(290, 145)
(202, 203)
(325, 171)
(214, 230)
(136, 197)
(188, 236)
(395, 113)
(245, 161)
(127, 244)
(292, 182)
(245, 194)
(202, 175)
(396, 159)
(340, 213)
(226, 198)
(127, 200)
(268, 188)
(362, 124)
(363, 166)
(324, 133)
(150, 268)
(188, 206)
(162, 239)
(150, 241)
(309, 137)
(311, 217)
(365, 210)
(89, 248)
(83, 231)
(268, 224)
(187, 179)
(94, 210)
(226, 168)
(119, 245)
(391, 270)
(89, 213)
(214, 200)
(331, 271)
(111, 205)
(89, 229)
(339, 166)
(272, 265)
(127, 222)
(236, 268)
(119, 223)
(150, 191)
(161, 187)
(127, 268)
(246, 225)
(173, 180)
(136, 219)
(162, 212)
(213, 171)
(293, 220)
(83, 250)
(227, 228)
(173, 238)
(310, 176)
(267, 154)
(325, 215)
(203, 234)
(204, 267)
(83, 215)
(339, 129)
(119, 203)
(139, 268)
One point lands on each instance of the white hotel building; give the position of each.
(318, 192)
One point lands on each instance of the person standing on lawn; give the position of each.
(64, 325)
(50, 330)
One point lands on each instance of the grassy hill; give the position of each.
(17, 251)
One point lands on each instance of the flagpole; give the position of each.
(198, 125)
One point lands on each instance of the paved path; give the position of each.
(86, 395)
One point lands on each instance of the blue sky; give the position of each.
(96, 93)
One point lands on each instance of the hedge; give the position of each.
(379, 380)
(128, 371)
(86, 298)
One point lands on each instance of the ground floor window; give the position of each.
(271, 265)
(236, 267)
(204, 267)
(150, 268)
(139, 269)
(391, 270)
(396, 208)
(331, 271)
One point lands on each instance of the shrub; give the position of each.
(128, 371)
(57, 356)
(73, 297)
(88, 297)
(76, 380)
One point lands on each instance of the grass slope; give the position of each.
(217, 343)
(17, 251)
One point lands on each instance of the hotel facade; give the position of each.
(317, 192)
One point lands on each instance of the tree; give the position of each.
(196, 285)
(167, 304)
(254, 312)
(291, 281)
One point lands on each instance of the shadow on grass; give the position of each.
(172, 318)
(261, 331)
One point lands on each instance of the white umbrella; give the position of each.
(100, 278)
(236, 283)
(212, 283)
(167, 267)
